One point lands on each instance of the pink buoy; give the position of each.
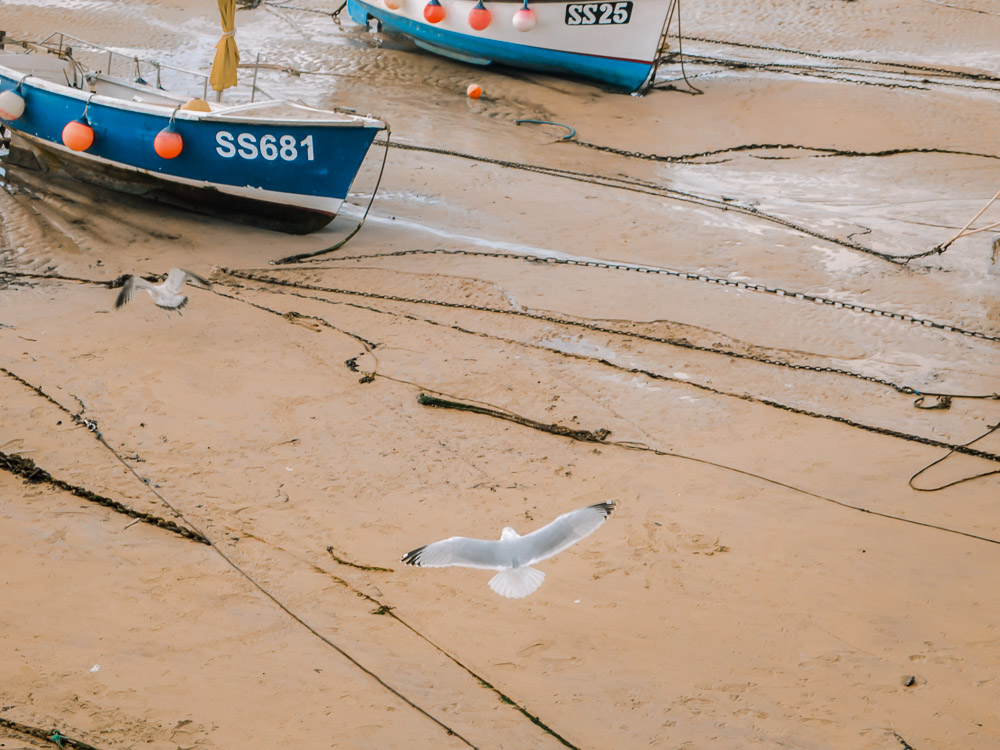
(524, 19)
(78, 135)
(434, 12)
(11, 106)
(168, 143)
(393, 4)
(480, 17)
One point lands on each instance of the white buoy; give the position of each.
(11, 106)
(524, 19)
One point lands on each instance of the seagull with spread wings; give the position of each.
(166, 294)
(513, 554)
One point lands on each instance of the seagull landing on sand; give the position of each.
(513, 554)
(166, 294)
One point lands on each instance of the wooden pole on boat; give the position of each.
(253, 87)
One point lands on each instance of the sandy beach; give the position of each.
(700, 307)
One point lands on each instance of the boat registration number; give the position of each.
(592, 14)
(269, 147)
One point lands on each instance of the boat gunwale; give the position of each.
(20, 79)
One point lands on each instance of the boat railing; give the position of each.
(111, 62)
(101, 59)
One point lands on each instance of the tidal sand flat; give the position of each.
(720, 305)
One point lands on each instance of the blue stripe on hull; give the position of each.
(125, 137)
(625, 74)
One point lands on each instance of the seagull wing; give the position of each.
(461, 551)
(130, 288)
(564, 532)
(174, 281)
(195, 280)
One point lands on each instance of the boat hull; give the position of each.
(290, 174)
(35, 156)
(568, 39)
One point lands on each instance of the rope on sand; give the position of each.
(34, 474)
(55, 736)
(250, 579)
(595, 436)
(965, 231)
(656, 451)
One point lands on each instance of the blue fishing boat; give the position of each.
(616, 42)
(276, 164)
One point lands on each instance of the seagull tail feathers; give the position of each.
(517, 583)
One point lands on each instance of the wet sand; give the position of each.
(770, 577)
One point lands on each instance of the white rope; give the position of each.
(962, 232)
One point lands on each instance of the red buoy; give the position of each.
(78, 135)
(168, 143)
(479, 17)
(434, 12)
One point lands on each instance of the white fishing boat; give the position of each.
(617, 42)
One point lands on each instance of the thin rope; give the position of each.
(92, 426)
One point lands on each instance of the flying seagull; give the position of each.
(166, 294)
(513, 554)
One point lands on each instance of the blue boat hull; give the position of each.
(289, 175)
(28, 156)
(624, 74)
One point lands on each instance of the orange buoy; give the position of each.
(479, 17)
(434, 11)
(78, 135)
(11, 106)
(524, 19)
(393, 4)
(474, 91)
(168, 143)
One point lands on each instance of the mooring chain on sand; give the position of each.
(649, 188)
(716, 280)
(841, 75)
(54, 736)
(921, 73)
(820, 152)
(841, 58)
(964, 449)
(33, 474)
(679, 342)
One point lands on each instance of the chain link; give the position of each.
(760, 288)
(965, 449)
(683, 343)
(649, 188)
